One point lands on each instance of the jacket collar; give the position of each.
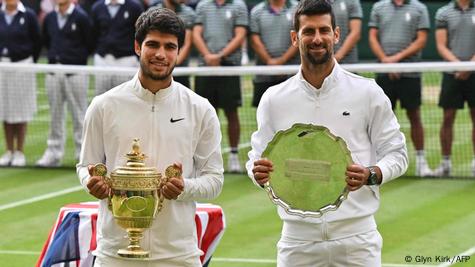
(328, 83)
(68, 12)
(145, 94)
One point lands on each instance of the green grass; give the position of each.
(424, 217)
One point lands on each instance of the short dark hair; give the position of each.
(313, 7)
(159, 19)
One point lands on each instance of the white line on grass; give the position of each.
(40, 198)
(467, 252)
(19, 252)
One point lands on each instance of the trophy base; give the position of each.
(133, 254)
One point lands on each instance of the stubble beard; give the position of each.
(315, 61)
(156, 77)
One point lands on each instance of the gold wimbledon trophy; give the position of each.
(135, 197)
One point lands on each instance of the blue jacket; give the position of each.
(73, 43)
(22, 37)
(115, 35)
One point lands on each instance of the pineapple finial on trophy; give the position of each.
(136, 155)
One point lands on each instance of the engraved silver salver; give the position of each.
(309, 170)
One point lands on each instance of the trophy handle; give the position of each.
(100, 169)
(170, 171)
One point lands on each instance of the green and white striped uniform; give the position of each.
(218, 25)
(187, 14)
(346, 10)
(274, 30)
(460, 27)
(398, 25)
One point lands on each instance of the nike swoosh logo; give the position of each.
(173, 121)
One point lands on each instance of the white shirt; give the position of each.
(62, 19)
(129, 111)
(113, 8)
(369, 128)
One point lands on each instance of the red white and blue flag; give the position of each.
(73, 238)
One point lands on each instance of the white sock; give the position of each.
(446, 160)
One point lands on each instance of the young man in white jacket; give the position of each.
(350, 106)
(175, 126)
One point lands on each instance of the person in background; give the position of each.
(220, 29)
(20, 42)
(321, 93)
(184, 130)
(348, 15)
(270, 25)
(455, 39)
(67, 36)
(113, 32)
(398, 33)
(187, 14)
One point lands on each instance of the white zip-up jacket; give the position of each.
(351, 107)
(173, 125)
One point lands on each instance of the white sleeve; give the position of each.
(208, 162)
(387, 139)
(261, 137)
(92, 148)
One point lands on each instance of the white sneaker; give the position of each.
(18, 159)
(48, 160)
(473, 167)
(233, 163)
(6, 158)
(443, 170)
(422, 168)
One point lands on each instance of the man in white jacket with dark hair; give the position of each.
(350, 106)
(174, 125)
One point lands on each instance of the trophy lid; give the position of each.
(135, 166)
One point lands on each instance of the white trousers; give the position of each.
(106, 82)
(65, 89)
(104, 261)
(361, 250)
